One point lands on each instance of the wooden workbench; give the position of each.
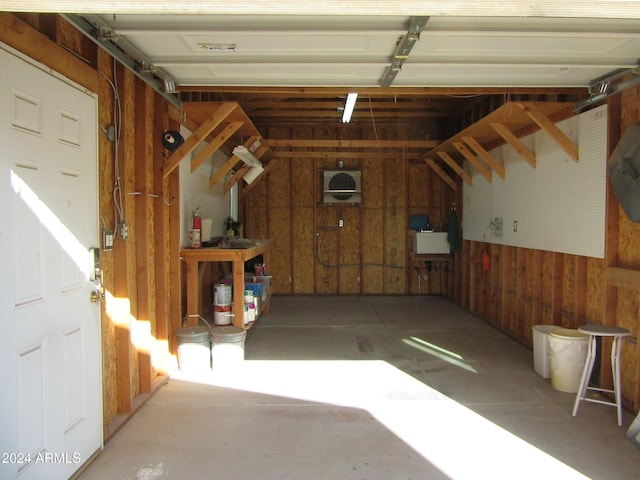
(193, 257)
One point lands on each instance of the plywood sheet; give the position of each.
(280, 233)
(395, 255)
(279, 180)
(373, 183)
(349, 250)
(303, 251)
(419, 182)
(395, 183)
(327, 251)
(302, 185)
(372, 250)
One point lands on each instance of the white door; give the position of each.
(50, 348)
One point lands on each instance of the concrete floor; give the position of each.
(370, 388)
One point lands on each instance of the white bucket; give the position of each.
(541, 349)
(227, 349)
(222, 315)
(194, 349)
(222, 294)
(568, 353)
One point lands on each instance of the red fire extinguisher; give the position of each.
(196, 229)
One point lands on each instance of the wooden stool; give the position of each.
(595, 331)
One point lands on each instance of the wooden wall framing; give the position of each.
(525, 287)
(141, 275)
(369, 253)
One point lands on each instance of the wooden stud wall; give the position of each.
(527, 287)
(369, 253)
(141, 275)
(311, 255)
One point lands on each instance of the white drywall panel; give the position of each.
(195, 192)
(558, 206)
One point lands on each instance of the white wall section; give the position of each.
(558, 206)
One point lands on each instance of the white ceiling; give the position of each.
(355, 50)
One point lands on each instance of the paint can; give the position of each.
(222, 314)
(222, 294)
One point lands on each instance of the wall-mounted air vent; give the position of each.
(342, 186)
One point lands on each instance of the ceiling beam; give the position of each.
(284, 142)
(340, 154)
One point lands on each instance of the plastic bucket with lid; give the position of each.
(541, 349)
(568, 353)
(227, 347)
(194, 348)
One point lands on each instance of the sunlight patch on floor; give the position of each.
(456, 440)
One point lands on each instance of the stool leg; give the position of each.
(615, 370)
(586, 373)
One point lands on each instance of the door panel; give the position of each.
(50, 349)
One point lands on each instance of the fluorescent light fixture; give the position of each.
(348, 107)
(253, 173)
(246, 156)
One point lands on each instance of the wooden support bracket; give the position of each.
(196, 137)
(486, 173)
(267, 167)
(548, 126)
(623, 278)
(229, 164)
(456, 168)
(441, 173)
(486, 156)
(215, 144)
(515, 142)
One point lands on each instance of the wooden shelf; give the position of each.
(507, 124)
(193, 257)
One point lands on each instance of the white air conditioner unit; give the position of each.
(342, 186)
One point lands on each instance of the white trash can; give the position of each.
(541, 349)
(568, 353)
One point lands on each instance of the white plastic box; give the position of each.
(430, 242)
